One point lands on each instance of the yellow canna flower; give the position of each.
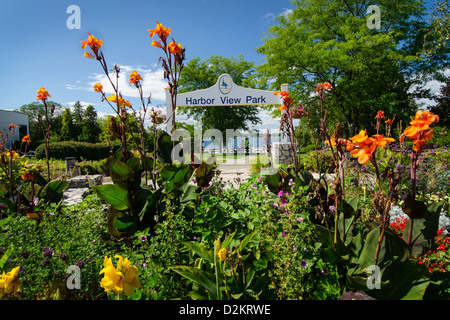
(9, 282)
(124, 278)
(130, 273)
(222, 254)
(13, 154)
(112, 280)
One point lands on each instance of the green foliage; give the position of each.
(319, 161)
(79, 150)
(308, 148)
(229, 270)
(369, 69)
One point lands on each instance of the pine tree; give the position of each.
(67, 126)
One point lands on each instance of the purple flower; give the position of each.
(280, 194)
(304, 263)
(332, 208)
(47, 252)
(80, 263)
(325, 271)
(143, 238)
(63, 256)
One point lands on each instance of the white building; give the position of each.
(20, 119)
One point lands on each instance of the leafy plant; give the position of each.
(230, 270)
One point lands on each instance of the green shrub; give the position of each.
(79, 150)
(308, 148)
(325, 161)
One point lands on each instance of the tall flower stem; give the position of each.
(414, 163)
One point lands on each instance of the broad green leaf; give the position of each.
(228, 240)
(164, 148)
(53, 191)
(5, 257)
(114, 195)
(118, 170)
(125, 224)
(424, 230)
(245, 241)
(201, 251)
(190, 193)
(274, 182)
(202, 278)
(408, 281)
(415, 209)
(391, 247)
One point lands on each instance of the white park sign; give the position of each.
(224, 93)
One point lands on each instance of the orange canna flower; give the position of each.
(389, 121)
(380, 115)
(93, 43)
(88, 55)
(360, 138)
(364, 154)
(347, 143)
(366, 145)
(322, 87)
(160, 30)
(157, 44)
(381, 141)
(135, 77)
(29, 176)
(42, 94)
(12, 126)
(121, 101)
(26, 139)
(98, 87)
(419, 144)
(281, 108)
(175, 48)
(420, 131)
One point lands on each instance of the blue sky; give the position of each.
(38, 50)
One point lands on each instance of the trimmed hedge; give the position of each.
(308, 148)
(79, 150)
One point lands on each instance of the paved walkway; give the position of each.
(234, 171)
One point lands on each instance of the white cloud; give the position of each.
(435, 88)
(73, 87)
(287, 12)
(82, 103)
(153, 82)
